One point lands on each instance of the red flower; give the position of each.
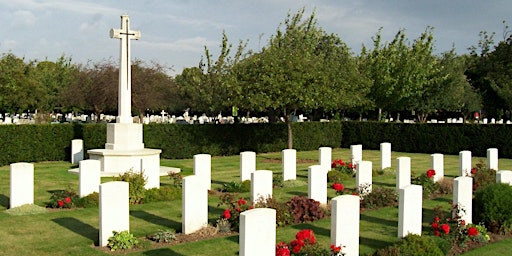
(282, 249)
(67, 200)
(436, 219)
(335, 249)
(338, 187)
(435, 225)
(60, 203)
(463, 222)
(445, 228)
(241, 202)
(351, 166)
(238, 209)
(472, 231)
(251, 207)
(436, 233)
(473, 170)
(336, 163)
(306, 235)
(431, 173)
(226, 214)
(297, 245)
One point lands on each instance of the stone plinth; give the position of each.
(114, 162)
(124, 136)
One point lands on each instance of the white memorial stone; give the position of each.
(150, 166)
(410, 210)
(345, 218)
(89, 177)
(325, 158)
(22, 184)
(194, 204)
(289, 164)
(492, 158)
(261, 185)
(77, 151)
(504, 176)
(203, 168)
(317, 184)
(464, 163)
(385, 155)
(364, 175)
(437, 164)
(403, 172)
(356, 153)
(114, 209)
(247, 164)
(257, 232)
(463, 197)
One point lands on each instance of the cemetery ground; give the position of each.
(75, 231)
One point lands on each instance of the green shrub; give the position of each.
(176, 179)
(284, 216)
(89, 201)
(380, 197)
(429, 186)
(26, 209)
(164, 193)
(163, 236)
(492, 206)
(236, 187)
(122, 241)
(62, 199)
(277, 180)
(305, 209)
(136, 187)
(338, 177)
(233, 209)
(412, 245)
(482, 176)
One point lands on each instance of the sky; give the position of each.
(174, 33)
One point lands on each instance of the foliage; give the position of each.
(123, 240)
(414, 245)
(136, 181)
(176, 178)
(340, 166)
(236, 187)
(233, 209)
(380, 197)
(164, 193)
(62, 199)
(305, 244)
(445, 186)
(305, 209)
(284, 214)
(223, 225)
(88, 201)
(26, 209)
(492, 207)
(338, 177)
(277, 180)
(482, 176)
(427, 182)
(163, 236)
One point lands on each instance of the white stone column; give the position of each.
(317, 184)
(463, 197)
(257, 232)
(356, 153)
(465, 163)
(385, 155)
(492, 158)
(22, 184)
(289, 164)
(194, 204)
(504, 176)
(203, 168)
(325, 158)
(261, 185)
(77, 151)
(437, 164)
(403, 172)
(345, 218)
(247, 164)
(114, 209)
(364, 175)
(410, 210)
(89, 177)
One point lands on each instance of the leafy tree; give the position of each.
(19, 89)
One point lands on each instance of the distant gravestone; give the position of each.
(492, 158)
(437, 164)
(317, 184)
(89, 177)
(403, 172)
(356, 153)
(289, 164)
(504, 176)
(463, 197)
(325, 158)
(464, 163)
(194, 204)
(385, 155)
(203, 168)
(364, 176)
(22, 184)
(261, 185)
(77, 151)
(247, 164)
(257, 232)
(114, 209)
(345, 218)
(150, 165)
(410, 210)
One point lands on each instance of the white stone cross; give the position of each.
(125, 71)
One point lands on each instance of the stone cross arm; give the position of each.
(120, 33)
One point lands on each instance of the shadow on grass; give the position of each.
(4, 201)
(385, 222)
(162, 251)
(80, 228)
(443, 199)
(373, 243)
(389, 185)
(149, 217)
(318, 230)
(297, 193)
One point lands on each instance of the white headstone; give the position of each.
(114, 209)
(385, 155)
(77, 151)
(463, 197)
(194, 204)
(261, 185)
(364, 175)
(345, 217)
(22, 184)
(289, 164)
(464, 163)
(403, 172)
(356, 153)
(317, 184)
(247, 164)
(492, 158)
(150, 165)
(410, 210)
(504, 176)
(89, 177)
(325, 158)
(203, 168)
(258, 232)
(437, 164)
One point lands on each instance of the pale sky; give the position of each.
(174, 33)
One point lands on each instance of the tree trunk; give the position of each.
(288, 121)
(379, 118)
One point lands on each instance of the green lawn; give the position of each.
(74, 232)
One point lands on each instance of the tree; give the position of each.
(19, 90)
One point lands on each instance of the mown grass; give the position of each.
(75, 232)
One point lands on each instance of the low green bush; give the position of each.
(380, 197)
(412, 245)
(482, 176)
(164, 193)
(492, 206)
(284, 216)
(62, 199)
(89, 201)
(163, 236)
(123, 240)
(305, 209)
(136, 182)
(236, 187)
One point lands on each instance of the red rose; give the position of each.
(60, 203)
(297, 245)
(472, 231)
(282, 249)
(226, 214)
(445, 228)
(338, 187)
(463, 222)
(435, 225)
(241, 202)
(335, 249)
(473, 170)
(436, 233)
(67, 200)
(436, 219)
(431, 173)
